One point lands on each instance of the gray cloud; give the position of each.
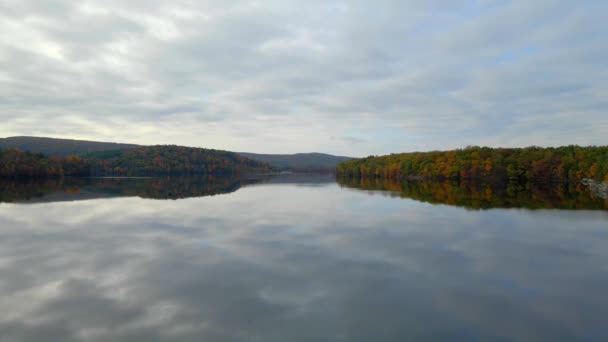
(281, 76)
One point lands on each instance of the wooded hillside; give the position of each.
(140, 161)
(171, 160)
(303, 162)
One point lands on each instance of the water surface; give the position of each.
(300, 259)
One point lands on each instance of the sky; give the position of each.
(344, 77)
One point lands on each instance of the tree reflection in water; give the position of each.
(475, 195)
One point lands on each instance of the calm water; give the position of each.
(300, 259)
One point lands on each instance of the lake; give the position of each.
(300, 258)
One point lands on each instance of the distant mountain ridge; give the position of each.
(62, 147)
(52, 146)
(299, 161)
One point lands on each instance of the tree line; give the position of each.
(140, 161)
(537, 164)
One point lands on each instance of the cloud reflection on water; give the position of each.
(284, 262)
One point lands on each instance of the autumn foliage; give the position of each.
(19, 164)
(172, 160)
(140, 161)
(569, 163)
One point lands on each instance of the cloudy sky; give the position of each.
(352, 77)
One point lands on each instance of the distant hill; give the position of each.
(134, 162)
(172, 160)
(303, 162)
(62, 147)
(299, 161)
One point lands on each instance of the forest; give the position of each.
(139, 161)
(171, 160)
(18, 164)
(536, 164)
